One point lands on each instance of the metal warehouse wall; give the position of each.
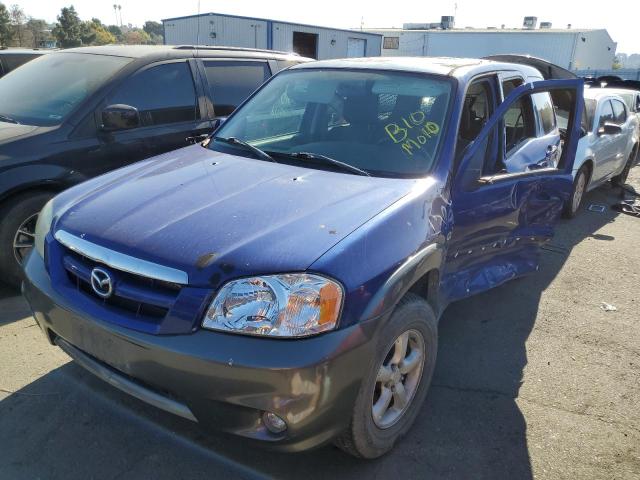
(255, 33)
(283, 40)
(594, 50)
(216, 30)
(562, 48)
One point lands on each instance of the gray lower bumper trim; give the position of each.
(124, 384)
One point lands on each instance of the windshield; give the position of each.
(44, 91)
(386, 123)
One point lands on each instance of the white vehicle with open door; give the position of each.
(608, 147)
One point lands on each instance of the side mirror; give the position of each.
(609, 129)
(120, 117)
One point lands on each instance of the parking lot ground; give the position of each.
(534, 379)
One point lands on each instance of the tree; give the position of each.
(37, 30)
(153, 28)
(617, 64)
(101, 36)
(18, 19)
(136, 36)
(69, 29)
(6, 35)
(115, 31)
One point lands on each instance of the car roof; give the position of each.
(449, 66)
(156, 52)
(598, 92)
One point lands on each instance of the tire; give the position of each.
(620, 180)
(580, 183)
(369, 438)
(14, 214)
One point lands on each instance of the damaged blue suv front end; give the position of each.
(256, 285)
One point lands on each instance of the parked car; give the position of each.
(609, 145)
(629, 90)
(12, 58)
(284, 284)
(78, 113)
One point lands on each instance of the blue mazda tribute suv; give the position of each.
(283, 280)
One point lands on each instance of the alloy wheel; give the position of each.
(24, 239)
(578, 192)
(398, 379)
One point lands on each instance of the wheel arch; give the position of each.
(33, 187)
(590, 164)
(419, 274)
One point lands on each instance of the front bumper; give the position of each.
(224, 381)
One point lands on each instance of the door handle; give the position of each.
(197, 138)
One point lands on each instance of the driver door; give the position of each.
(501, 215)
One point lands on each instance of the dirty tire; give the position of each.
(13, 214)
(620, 180)
(364, 438)
(570, 207)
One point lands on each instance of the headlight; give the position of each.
(43, 226)
(291, 305)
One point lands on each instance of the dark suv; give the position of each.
(10, 59)
(69, 116)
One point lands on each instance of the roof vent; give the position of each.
(545, 25)
(529, 23)
(447, 22)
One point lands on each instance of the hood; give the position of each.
(10, 131)
(548, 70)
(218, 216)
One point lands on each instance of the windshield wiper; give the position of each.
(5, 118)
(324, 158)
(236, 141)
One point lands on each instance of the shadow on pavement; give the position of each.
(70, 425)
(12, 306)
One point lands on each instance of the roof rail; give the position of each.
(239, 49)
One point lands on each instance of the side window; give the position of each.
(510, 85)
(162, 94)
(519, 123)
(544, 109)
(231, 82)
(477, 108)
(13, 61)
(606, 114)
(619, 112)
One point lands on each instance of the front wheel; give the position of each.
(396, 385)
(577, 193)
(17, 233)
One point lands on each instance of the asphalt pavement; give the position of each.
(537, 378)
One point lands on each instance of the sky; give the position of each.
(621, 21)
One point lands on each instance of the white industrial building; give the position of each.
(573, 49)
(236, 31)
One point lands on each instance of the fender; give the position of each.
(26, 177)
(406, 275)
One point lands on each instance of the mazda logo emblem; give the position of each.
(101, 283)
